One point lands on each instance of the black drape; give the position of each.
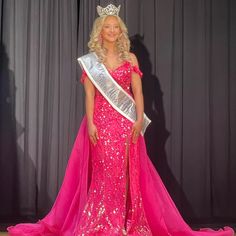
(187, 52)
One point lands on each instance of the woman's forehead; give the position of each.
(111, 20)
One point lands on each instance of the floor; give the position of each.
(5, 234)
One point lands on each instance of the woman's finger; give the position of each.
(135, 136)
(93, 139)
(96, 135)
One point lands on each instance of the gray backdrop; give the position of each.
(187, 51)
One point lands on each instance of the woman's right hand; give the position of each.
(93, 133)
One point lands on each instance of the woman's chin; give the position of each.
(111, 40)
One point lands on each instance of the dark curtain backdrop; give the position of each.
(41, 102)
(187, 51)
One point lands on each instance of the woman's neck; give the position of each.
(110, 48)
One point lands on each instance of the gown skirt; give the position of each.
(112, 188)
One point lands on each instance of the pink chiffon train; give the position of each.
(163, 216)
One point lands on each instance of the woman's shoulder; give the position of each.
(135, 64)
(133, 59)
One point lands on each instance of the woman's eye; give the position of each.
(110, 26)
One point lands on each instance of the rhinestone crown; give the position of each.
(108, 10)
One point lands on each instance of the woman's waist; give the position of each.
(127, 90)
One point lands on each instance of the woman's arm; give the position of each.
(136, 85)
(89, 106)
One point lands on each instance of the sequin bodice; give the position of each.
(122, 75)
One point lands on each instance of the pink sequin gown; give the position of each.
(115, 174)
(112, 186)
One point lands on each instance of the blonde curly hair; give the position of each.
(122, 44)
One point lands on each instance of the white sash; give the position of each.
(110, 89)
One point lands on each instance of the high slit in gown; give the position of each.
(112, 188)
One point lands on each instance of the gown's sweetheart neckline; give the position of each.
(112, 72)
(118, 67)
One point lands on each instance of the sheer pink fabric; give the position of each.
(112, 185)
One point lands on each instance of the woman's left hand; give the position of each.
(136, 130)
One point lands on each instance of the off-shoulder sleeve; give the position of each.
(83, 76)
(137, 70)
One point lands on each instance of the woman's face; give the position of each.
(110, 29)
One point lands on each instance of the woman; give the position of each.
(106, 186)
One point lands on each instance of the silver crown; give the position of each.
(108, 10)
